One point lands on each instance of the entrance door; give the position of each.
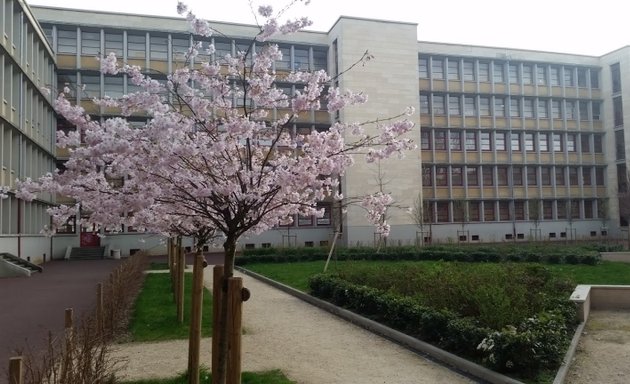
(89, 236)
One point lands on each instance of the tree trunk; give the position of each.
(194, 339)
(228, 271)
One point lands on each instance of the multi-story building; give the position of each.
(512, 144)
(27, 128)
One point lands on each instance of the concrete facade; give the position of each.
(525, 144)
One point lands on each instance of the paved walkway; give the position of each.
(309, 345)
(603, 353)
(32, 306)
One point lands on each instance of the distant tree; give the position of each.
(535, 215)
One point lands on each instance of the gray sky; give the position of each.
(572, 26)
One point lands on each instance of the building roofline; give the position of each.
(368, 19)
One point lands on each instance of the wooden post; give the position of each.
(217, 293)
(235, 308)
(67, 353)
(181, 265)
(194, 341)
(99, 308)
(16, 371)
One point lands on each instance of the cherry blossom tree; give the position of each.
(204, 162)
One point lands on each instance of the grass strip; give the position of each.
(268, 377)
(154, 316)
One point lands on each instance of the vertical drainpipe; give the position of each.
(20, 123)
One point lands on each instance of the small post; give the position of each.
(194, 341)
(217, 282)
(181, 264)
(67, 353)
(235, 308)
(16, 371)
(99, 308)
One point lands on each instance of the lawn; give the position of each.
(154, 316)
(269, 377)
(297, 274)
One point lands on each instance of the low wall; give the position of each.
(604, 297)
(616, 256)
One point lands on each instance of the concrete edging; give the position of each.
(561, 375)
(418, 346)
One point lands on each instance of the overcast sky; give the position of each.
(572, 26)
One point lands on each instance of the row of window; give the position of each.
(34, 219)
(506, 210)
(503, 175)
(458, 140)
(498, 106)
(156, 46)
(456, 69)
(22, 40)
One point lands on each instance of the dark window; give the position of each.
(442, 212)
(545, 175)
(455, 141)
(441, 176)
(488, 179)
(586, 176)
(456, 176)
(502, 175)
(517, 175)
(425, 140)
(559, 176)
(599, 176)
(440, 140)
(618, 111)
(531, 176)
(427, 176)
(489, 211)
(598, 146)
(573, 175)
(615, 73)
(620, 149)
(504, 210)
(472, 176)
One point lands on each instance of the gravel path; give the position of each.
(603, 354)
(309, 345)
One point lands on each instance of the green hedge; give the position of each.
(538, 342)
(541, 254)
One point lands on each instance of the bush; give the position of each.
(551, 254)
(537, 342)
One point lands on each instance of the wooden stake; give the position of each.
(217, 283)
(235, 308)
(195, 320)
(16, 371)
(181, 265)
(99, 308)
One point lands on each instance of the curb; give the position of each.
(469, 368)
(568, 357)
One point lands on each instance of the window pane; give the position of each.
(455, 141)
(472, 176)
(498, 75)
(440, 140)
(516, 142)
(453, 105)
(484, 72)
(471, 141)
(543, 142)
(486, 144)
(136, 46)
(499, 107)
(438, 105)
(499, 141)
(437, 69)
(423, 68)
(469, 71)
(484, 106)
(469, 106)
(90, 43)
(453, 70)
(542, 109)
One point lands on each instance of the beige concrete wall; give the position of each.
(391, 81)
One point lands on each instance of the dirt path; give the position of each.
(309, 345)
(603, 354)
